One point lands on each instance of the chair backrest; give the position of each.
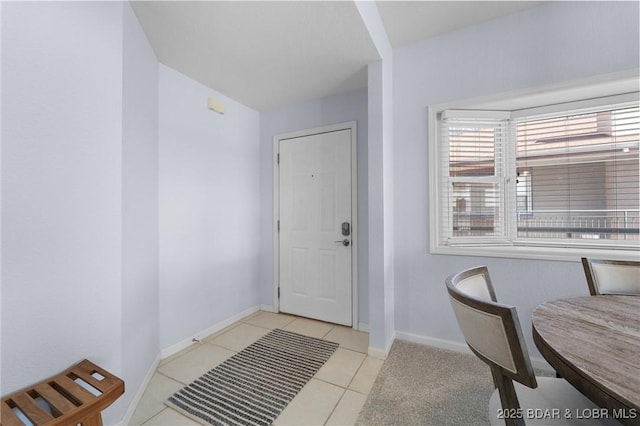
(491, 329)
(612, 276)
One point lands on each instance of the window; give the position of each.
(563, 176)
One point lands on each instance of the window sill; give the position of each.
(567, 254)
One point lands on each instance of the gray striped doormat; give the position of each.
(256, 384)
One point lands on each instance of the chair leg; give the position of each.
(508, 399)
(495, 375)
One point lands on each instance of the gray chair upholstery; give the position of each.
(612, 276)
(492, 331)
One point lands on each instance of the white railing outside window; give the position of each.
(580, 224)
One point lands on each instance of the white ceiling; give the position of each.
(268, 54)
(410, 21)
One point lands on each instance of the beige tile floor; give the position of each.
(334, 396)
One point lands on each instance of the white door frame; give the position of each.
(351, 125)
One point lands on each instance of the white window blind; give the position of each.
(577, 175)
(473, 177)
(568, 177)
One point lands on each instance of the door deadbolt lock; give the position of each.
(344, 242)
(346, 229)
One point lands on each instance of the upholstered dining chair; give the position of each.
(612, 276)
(492, 331)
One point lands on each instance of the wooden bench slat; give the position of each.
(77, 391)
(8, 417)
(102, 385)
(84, 370)
(53, 397)
(31, 409)
(99, 385)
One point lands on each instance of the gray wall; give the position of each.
(320, 112)
(552, 43)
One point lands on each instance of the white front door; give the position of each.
(315, 248)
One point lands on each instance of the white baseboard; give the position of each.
(382, 353)
(143, 386)
(177, 347)
(376, 353)
(459, 347)
(435, 342)
(267, 308)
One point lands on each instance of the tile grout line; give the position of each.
(146, 422)
(338, 386)
(167, 376)
(356, 373)
(329, 331)
(335, 406)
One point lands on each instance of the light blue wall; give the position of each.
(140, 292)
(61, 189)
(380, 206)
(552, 43)
(320, 112)
(209, 202)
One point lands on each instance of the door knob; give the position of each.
(344, 242)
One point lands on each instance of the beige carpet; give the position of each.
(421, 385)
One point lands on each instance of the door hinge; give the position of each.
(278, 292)
(278, 225)
(278, 160)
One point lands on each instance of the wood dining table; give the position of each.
(594, 343)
